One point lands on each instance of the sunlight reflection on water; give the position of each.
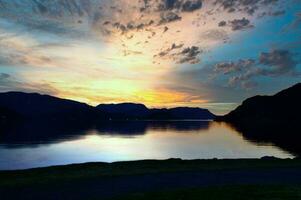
(125, 141)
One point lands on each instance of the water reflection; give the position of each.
(35, 133)
(32, 145)
(284, 134)
(141, 127)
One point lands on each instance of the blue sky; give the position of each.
(164, 53)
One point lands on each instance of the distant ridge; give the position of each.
(124, 110)
(37, 106)
(34, 106)
(140, 111)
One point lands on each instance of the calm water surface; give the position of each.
(30, 146)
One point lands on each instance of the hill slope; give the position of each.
(283, 106)
(270, 119)
(37, 106)
(140, 111)
(33, 106)
(124, 110)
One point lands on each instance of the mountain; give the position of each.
(283, 106)
(36, 106)
(33, 106)
(140, 111)
(124, 110)
(7, 115)
(270, 119)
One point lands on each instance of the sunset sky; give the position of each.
(162, 53)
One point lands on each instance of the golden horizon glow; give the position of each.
(121, 51)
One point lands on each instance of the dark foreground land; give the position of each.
(264, 179)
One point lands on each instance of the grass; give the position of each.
(81, 181)
(78, 172)
(259, 192)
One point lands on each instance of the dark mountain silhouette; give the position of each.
(33, 106)
(7, 115)
(124, 110)
(273, 119)
(36, 106)
(283, 106)
(140, 111)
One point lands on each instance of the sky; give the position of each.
(162, 53)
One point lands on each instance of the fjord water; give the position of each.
(30, 146)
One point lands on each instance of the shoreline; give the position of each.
(119, 179)
(171, 160)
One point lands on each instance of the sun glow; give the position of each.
(118, 50)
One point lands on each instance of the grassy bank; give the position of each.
(168, 179)
(49, 175)
(241, 192)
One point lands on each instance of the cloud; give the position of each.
(169, 17)
(190, 55)
(215, 35)
(11, 83)
(190, 6)
(277, 13)
(117, 40)
(272, 13)
(222, 23)
(174, 46)
(246, 6)
(229, 67)
(240, 24)
(3, 77)
(180, 5)
(127, 27)
(280, 61)
(19, 51)
(51, 8)
(182, 55)
(167, 51)
(296, 23)
(20, 58)
(27, 16)
(269, 64)
(244, 80)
